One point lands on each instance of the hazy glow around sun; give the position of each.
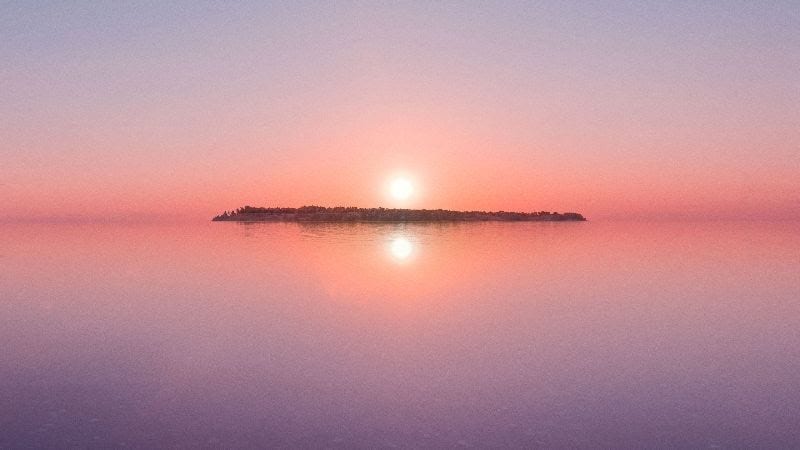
(401, 188)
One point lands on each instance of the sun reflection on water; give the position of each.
(401, 248)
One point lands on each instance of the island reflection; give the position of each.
(380, 263)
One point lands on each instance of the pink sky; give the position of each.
(611, 111)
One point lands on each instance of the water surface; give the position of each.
(417, 335)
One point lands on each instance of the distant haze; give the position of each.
(611, 109)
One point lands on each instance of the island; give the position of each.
(354, 214)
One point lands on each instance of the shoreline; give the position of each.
(384, 215)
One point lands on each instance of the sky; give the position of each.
(181, 110)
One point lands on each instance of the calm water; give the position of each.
(517, 334)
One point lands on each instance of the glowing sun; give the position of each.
(401, 188)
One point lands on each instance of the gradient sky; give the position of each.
(613, 109)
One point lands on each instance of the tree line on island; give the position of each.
(355, 214)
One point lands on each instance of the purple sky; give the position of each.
(184, 109)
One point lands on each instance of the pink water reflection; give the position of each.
(527, 334)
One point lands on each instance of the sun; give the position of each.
(401, 188)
